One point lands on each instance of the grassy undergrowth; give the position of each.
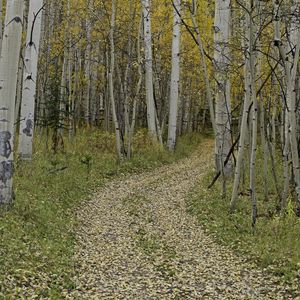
(274, 245)
(37, 233)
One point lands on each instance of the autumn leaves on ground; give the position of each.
(109, 188)
(137, 241)
(134, 237)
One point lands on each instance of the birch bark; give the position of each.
(291, 66)
(146, 6)
(30, 79)
(8, 82)
(221, 62)
(111, 84)
(87, 62)
(1, 23)
(137, 93)
(245, 115)
(253, 37)
(175, 74)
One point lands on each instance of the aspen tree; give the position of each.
(221, 64)
(71, 82)
(246, 106)
(137, 92)
(30, 78)
(63, 92)
(290, 63)
(286, 132)
(175, 73)
(87, 61)
(94, 80)
(286, 153)
(186, 113)
(9, 60)
(128, 74)
(253, 8)
(151, 110)
(262, 130)
(111, 83)
(1, 23)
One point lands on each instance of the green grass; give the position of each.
(275, 242)
(37, 233)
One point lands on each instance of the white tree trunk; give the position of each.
(137, 93)
(222, 62)
(186, 113)
(253, 37)
(30, 78)
(245, 115)
(291, 66)
(146, 6)
(1, 23)
(8, 83)
(264, 147)
(63, 93)
(286, 150)
(110, 78)
(87, 62)
(72, 87)
(273, 125)
(175, 74)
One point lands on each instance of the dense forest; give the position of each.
(94, 90)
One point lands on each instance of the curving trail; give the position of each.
(136, 241)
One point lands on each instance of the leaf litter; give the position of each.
(136, 240)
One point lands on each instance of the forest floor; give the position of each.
(136, 240)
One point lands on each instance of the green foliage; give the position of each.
(187, 143)
(37, 233)
(275, 242)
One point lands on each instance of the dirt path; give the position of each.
(136, 241)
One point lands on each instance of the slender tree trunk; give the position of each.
(264, 148)
(252, 34)
(9, 60)
(291, 67)
(149, 70)
(19, 92)
(205, 69)
(273, 124)
(175, 74)
(111, 84)
(87, 62)
(245, 115)
(1, 23)
(286, 150)
(222, 61)
(128, 73)
(72, 87)
(63, 93)
(137, 94)
(30, 78)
